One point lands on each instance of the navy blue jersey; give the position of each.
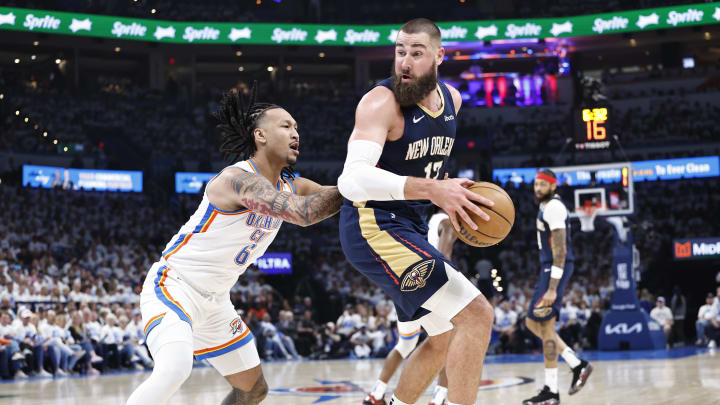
(422, 151)
(543, 234)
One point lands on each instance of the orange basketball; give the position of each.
(502, 217)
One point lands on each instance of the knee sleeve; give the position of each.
(406, 346)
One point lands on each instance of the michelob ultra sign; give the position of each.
(45, 21)
(696, 248)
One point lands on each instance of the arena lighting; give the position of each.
(17, 60)
(57, 61)
(36, 43)
(33, 57)
(65, 149)
(633, 42)
(45, 134)
(26, 119)
(238, 53)
(500, 289)
(241, 68)
(321, 54)
(55, 142)
(117, 49)
(153, 11)
(2, 96)
(171, 60)
(270, 68)
(17, 112)
(707, 35)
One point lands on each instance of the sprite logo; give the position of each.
(527, 30)
(48, 22)
(206, 33)
(483, 32)
(454, 32)
(294, 35)
(352, 36)
(692, 15)
(615, 23)
(132, 30)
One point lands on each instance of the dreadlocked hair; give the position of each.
(238, 119)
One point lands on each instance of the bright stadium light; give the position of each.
(238, 53)
(45, 134)
(17, 60)
(33, 57)
(36, 43)
(57, 61)
(241, 68)
(270, 68)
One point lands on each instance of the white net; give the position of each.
(587, 215)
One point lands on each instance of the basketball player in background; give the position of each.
(185, 301)
(397, 153)
(442, 237)
(556, 268)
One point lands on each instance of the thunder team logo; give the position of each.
(236, 326)
(326, 390)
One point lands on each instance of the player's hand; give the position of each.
(453, 196)
(547, 299)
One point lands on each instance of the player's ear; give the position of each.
(259, 136)
(440, 55)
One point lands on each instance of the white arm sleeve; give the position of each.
(362, 181)
(555, 214)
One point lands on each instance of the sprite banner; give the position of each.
(44, 21)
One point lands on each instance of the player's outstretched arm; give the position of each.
(236, 188)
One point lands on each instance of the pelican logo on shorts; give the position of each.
(417, 276)
(236, 326)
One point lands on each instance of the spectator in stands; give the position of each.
(80, 336)
(31, 343)
(706, 314)
(662, 315)
(678, 305)
(306, 333)
(505, 324)
(360, 342)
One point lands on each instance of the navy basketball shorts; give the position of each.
(391, 251)
(541, 287)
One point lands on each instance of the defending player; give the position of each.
(556, 268)
(185, 301)
(403, 135)
(441, 236)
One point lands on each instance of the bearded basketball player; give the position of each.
(556, 258)
(393, 174)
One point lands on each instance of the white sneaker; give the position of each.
(712, 344)
(17, 356)
(60, 372)
(19, 374)
(44, 373)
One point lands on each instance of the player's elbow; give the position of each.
(348, 187)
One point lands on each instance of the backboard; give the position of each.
(608, 186)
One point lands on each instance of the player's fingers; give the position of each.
(453, 220)
(447, 175)
(476, 210)
(465, 217)
(477, 197)
(465, 182)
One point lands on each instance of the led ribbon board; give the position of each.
(82, 179)
(55, 22)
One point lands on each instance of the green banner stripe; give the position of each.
(19, 19)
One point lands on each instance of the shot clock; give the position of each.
(592, 128)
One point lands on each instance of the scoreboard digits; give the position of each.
(592, 128)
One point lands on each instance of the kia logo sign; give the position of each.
(698, 248)
(623, 329)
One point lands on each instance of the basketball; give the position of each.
(502, 217)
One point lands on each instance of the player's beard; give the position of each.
(411, 93)
(545, 198)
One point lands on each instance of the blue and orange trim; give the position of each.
(411, 335)
(164, 295)
(227, 347)
(154, 321)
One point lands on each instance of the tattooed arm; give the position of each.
(559, 250)
(235, 188)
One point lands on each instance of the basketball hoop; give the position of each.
(586, 215)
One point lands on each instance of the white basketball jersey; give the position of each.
(434, 228)
(215, 247)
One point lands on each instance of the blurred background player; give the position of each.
(442, 237)
(556, 259)
(403, 136)
(185, 301)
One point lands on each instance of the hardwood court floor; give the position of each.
(679, 376)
